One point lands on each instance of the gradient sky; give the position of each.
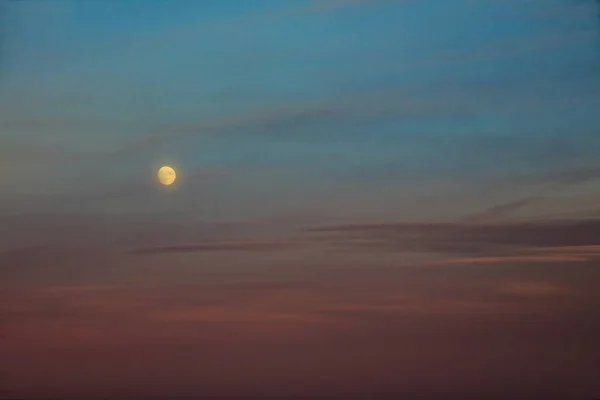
(374, 197)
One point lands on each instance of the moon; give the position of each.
(166, 175)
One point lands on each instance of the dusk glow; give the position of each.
(309, 199)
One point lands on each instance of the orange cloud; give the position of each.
(536, 255)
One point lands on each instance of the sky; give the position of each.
(373, 198)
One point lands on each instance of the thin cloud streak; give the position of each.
(337, 111)
(553, 181)
(502, 210)
(248, 245)
(523, 259)
(464, 238)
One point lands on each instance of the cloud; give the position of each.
(554, 181)
(560, 258)
(251, 303)
(570, 177)
(80, 313)
(337, 321)
(502, 210)
(507, 50)
(590, 250)
(55, 247)
(228, 245)
(463, 238)
(296, 121)
(544, 255)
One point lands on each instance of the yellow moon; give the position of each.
(166, 175)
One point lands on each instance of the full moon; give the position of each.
(166, 175)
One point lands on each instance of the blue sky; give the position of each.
(347, 106)
(396, 95)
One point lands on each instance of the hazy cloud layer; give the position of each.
(464, 238)
(375, 323)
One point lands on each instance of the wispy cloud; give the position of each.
(568, 177)
(502, 210)
(296, 121)
(591, 250)
(503, 51)
(544, 255)
(303, 331)
(552, 182)
(464, 238)
(522, 259)
(231, 245)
